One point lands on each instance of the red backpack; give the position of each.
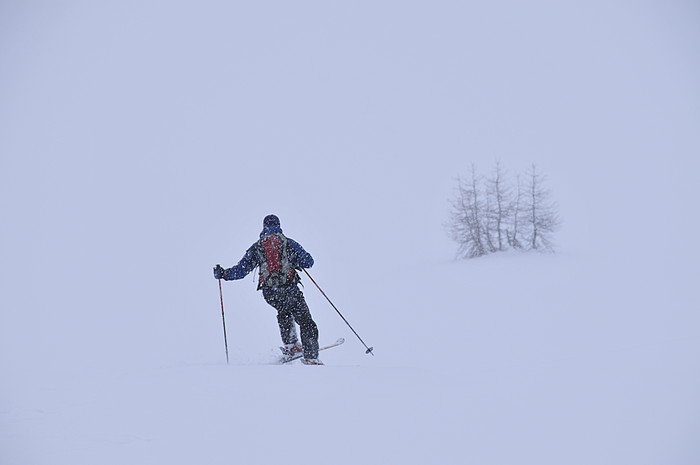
(273, 257)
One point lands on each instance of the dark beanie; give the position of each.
(271, 220)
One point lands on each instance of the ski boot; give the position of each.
(290, 350)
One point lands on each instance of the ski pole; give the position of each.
(223, 319)
(369, 349)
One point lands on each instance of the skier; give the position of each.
(278, 257)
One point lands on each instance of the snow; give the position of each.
(138, 144)
(564, 366)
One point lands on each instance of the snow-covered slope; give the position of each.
(140, 144)
(512, 359)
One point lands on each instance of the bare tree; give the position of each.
(466, 224)
(542, 217)
(514, 232)
(490, 215)
(499, 207)
(489, 227)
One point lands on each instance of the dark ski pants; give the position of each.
(291, 306)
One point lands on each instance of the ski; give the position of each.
(284, 360)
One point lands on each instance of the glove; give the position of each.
(218, 272)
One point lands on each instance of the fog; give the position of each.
(142, 143)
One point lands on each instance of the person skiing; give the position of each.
(278, 258)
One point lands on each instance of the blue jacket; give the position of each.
(298, 257)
